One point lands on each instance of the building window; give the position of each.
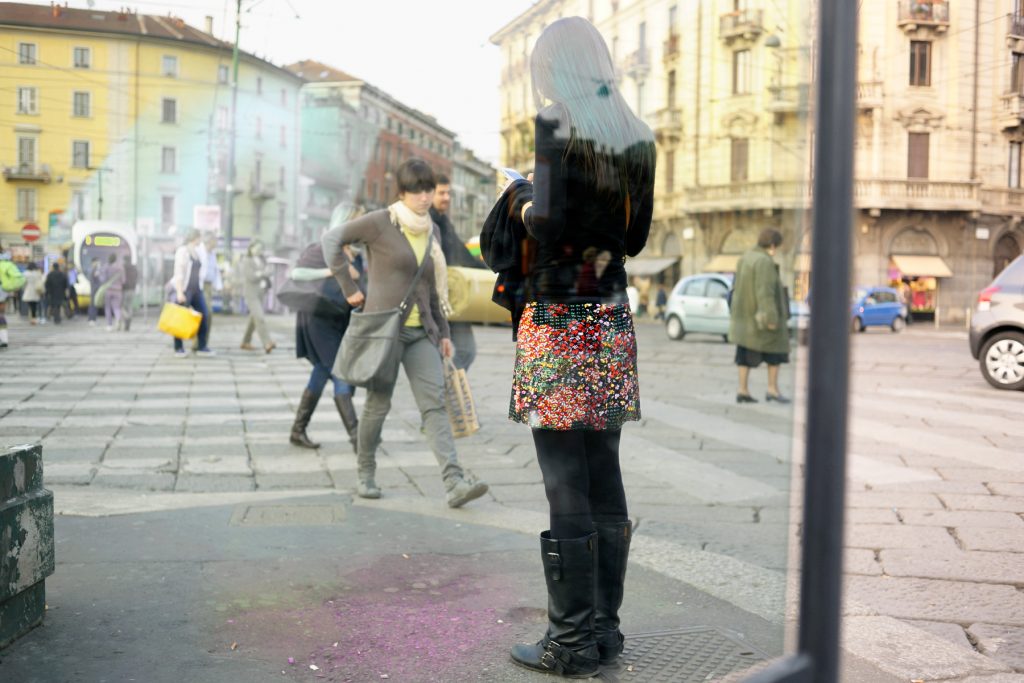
(282, 210)
(1014, 179)
(640, 99)
(670, 97)
(169, 66)
(26, 205)
(78, 205)
(259, 127)
(641, 36)
(280, 178)
(920, 62)
(284, 136)
(166, 211)
(222, 73)
(80, 154)
(82, 57)
(28, 103)
(222, 118)
(670, 172)
(26, 53)
(673, 15)
(259, 85)
(917, 155)
(740, 157)
(169, 160)
(170, 110)
(284, 97)
(1017, 74)
(82, 105)
(26, 153)
(741, 72)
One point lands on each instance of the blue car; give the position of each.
(877, 307)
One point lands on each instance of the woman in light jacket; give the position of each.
(396, 240)
(114, 295)
(33, 290)
(254, 274)
(188, 290)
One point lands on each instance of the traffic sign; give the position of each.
(31, 232)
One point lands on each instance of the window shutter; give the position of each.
(917, 155)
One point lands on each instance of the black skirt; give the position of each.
(317, 338)
(751, 359)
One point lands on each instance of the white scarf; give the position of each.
(416, 224)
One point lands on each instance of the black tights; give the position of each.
(582, 479)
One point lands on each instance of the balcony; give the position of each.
(930, 15)
(1012, 111)
(869, 94)
(668, 125)
(670, 50)
(1015, 32)
(637, 64)
(1002, 200)
(259, 192)
(747, 24)
(788, 99)
(921, 195)
(28, 173)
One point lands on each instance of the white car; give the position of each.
(698, 304)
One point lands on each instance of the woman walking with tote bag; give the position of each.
(575, 378)
(403, 250)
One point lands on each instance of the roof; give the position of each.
(539, 9)
(318, 72)
(167, 28)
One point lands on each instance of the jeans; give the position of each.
(582, 479)
(424, 369)
(196, 301)
(318, 380)
(465, 345)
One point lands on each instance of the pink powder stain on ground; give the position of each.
(425, 618)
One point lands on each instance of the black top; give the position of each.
(584, 229)
(455, 252)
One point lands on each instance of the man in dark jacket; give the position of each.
(131, 281)
(56, 287)
(455, 254)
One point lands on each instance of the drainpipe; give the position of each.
(974, 110)
(696, 95)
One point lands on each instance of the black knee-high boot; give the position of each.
(568, 648)
(613, 544)
(302, 417)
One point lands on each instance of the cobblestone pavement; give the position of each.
(935, 581)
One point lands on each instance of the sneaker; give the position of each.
(92, 323)
(464, 491)
(205, 352)
(367, 488)
(110, 328)
(181, 353)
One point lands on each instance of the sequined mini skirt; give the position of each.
(575, 367)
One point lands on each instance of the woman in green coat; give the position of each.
(758, 313)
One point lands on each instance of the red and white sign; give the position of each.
(31, 232)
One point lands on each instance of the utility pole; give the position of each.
(229, 198)
(99, 174)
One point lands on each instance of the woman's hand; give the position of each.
(447, 348)
(356, 299)
(181, 298)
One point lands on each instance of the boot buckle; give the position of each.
(555, 562)
(554, 656)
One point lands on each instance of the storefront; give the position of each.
(918, 280)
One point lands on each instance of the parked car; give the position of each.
(997, 329)
(877, 307)
(698, 304)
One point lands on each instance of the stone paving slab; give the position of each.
(987, 567)
(954, 633)
(899, 536)
(1002, 503)
(961, 519)
(995, 539)
(935, 600)
(880, 499)
(1005, 643)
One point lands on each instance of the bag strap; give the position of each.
(419, 272)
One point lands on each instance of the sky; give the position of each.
(434, 56)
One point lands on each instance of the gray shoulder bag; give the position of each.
(369, 344)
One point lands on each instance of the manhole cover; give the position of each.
(287, 515)
(684, 656)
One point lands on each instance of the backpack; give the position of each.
(11, 279)
(131, 276)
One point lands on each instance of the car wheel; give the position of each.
(857, 325)
(674, 328)
(898, 324)
(1002, 360)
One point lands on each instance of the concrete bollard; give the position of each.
(26, 540)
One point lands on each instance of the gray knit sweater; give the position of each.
(392, 266)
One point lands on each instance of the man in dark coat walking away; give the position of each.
(455, 254)
(56, 286)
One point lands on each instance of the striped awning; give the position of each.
(922, 266)
(645, 267)
(722, 263)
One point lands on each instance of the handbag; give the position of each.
(369, 343)
(101, 294)
(299, 295)
(11, 277)
(179, 321)
(458, 401)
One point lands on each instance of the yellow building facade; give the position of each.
(126, 117)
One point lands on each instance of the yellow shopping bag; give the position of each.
(179, 321)
(459, 401)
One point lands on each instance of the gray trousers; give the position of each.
(424, 368)
(257, 322)
(465, 345)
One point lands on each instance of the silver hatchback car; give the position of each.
(997, 328)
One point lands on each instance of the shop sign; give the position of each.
(981, 233)
(31, 232)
